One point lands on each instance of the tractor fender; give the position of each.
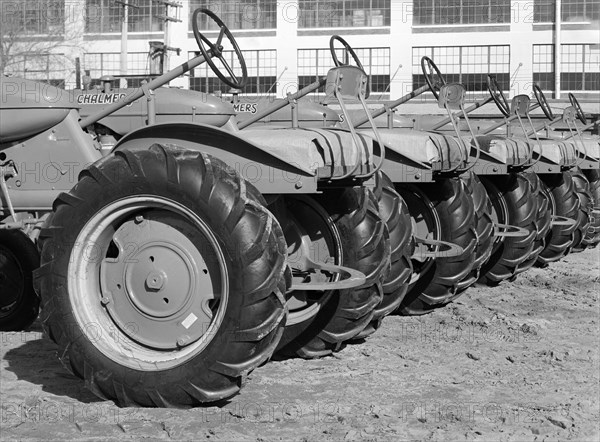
(270, 173)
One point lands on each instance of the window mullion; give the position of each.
(583, 66)
(460, 64)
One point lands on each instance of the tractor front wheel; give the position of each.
(394, 211)
(592, 236)
(564, 202)
(19, 304)
(513, 204)
(586, 206)
(365, 246)
(444, 211)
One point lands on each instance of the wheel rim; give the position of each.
(148, 282)
(318, 234)
(11, 281)
(426, 224)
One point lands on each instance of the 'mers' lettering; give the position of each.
(245, 107)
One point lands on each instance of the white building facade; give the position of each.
(286, 42)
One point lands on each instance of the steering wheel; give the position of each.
(578, 108)
(429, 68)
(541, 99)
(348, 48)
(497, 95)
(216, 50)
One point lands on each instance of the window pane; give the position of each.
(237, 14)
(454, 12)
(106, 16)
(580, 10)
(262, 73)
(34, 17)
(343, 13)
(314, 63)
(468, 65)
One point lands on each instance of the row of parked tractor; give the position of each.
(171, 242)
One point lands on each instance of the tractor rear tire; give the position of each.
(484, 226)
(436, 280)
(592, 236)
(214, 257)
(543, 220)
(563, 202)
(19, 304)
(513, 204)
(366, 248)
(586, 206)
(394, 211)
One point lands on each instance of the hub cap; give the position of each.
(149, 279)
(159, 281)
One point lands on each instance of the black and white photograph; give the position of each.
(300, 220)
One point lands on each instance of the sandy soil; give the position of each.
(515, 362)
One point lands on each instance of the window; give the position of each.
(343, 13)
(468, 65)
(571, 11)
(106, 16)
(33, 17)
(580, 10)
(460, 12)
(543, 11)
(580, 67)
(47, 68)
(579, 63)
(543, 66)
(315, 63)
(237, 14)
(262, 73)
(109, 63)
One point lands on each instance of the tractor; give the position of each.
(174, 261)
(526, 231)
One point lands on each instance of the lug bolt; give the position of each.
(139, 219)
(183, 340)
(104, 300)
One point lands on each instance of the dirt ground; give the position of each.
(515, 362)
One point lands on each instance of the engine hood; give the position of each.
(28, 107)
(171, 104)
(20, 93)
(309, 112)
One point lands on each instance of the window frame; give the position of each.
(324, 54)
(218, 7)
(462, 5)
(503, 77)
(304, 13)
(25, 7)
(585, 3)
(107, 5)
(265, 58)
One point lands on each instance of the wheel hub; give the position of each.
(158, 287)
(318, 236)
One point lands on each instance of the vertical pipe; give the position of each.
(77, 73)
(557, 52)
(124, 26)
(167, 41)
